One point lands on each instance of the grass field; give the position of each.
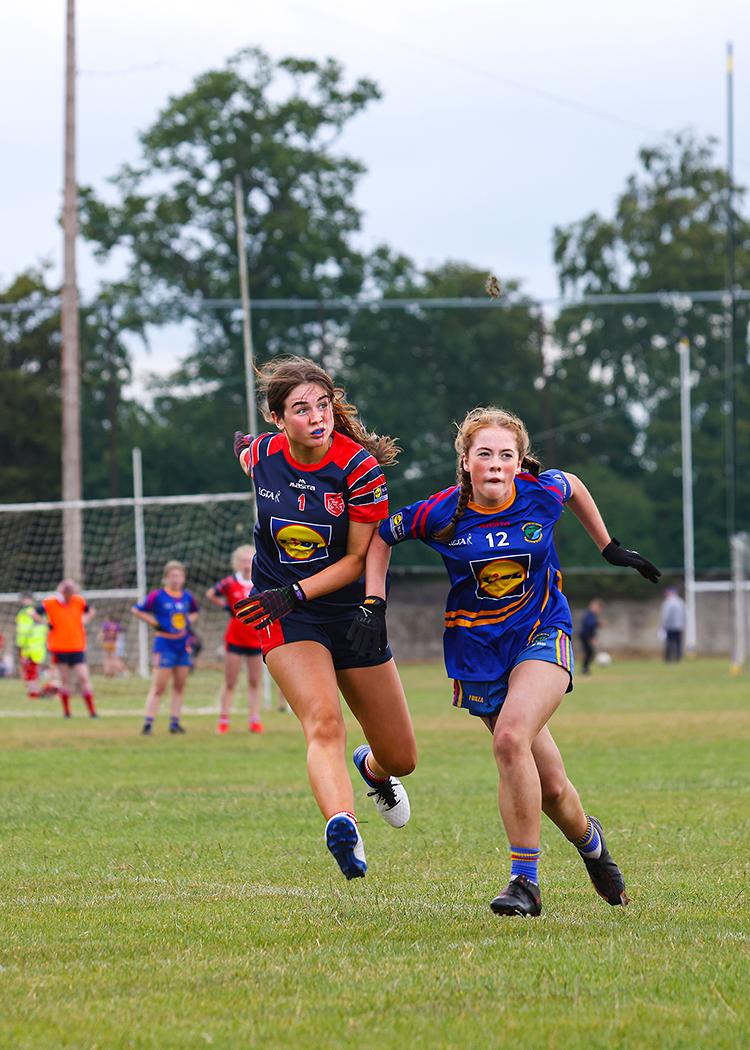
(175, 892)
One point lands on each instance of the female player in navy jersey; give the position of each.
(321, 495)
(508, 631)
(171, 610)
(239, 641)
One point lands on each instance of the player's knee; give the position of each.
(325, 725)
(508, 745)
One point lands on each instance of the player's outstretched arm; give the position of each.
(242, 443)
(581, 502)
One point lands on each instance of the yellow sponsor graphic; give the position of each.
(299, 541)
(179, 621)
(499, 578)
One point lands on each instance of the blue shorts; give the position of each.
(331, 634)
(484, 699)
(169, 654)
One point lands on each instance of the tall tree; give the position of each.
(668, 234)
(30, 411)
(274, 125)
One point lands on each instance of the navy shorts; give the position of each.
(71, 659)
(243, 650)
(484, 699)
(331, 634)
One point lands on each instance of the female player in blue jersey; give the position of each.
(321, 495)
(171, 611)
(508, 631)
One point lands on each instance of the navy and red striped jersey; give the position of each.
(304, 512)
(503, 567)
(234, 589)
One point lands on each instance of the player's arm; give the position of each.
(263, 608)
(214, 597)
(242, 444)
(146, 617)
(581, 502)
(88, 615)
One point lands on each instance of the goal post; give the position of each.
(126, 543)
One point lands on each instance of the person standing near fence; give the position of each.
(68, 614)
(240, 642)
(588, 631)
(321, 494)
(171, 611)
(672, 619)
(508, 631)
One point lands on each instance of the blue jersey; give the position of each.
(304, 512)
(171, 612)
(503, 567)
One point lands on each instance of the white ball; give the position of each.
(603, 659)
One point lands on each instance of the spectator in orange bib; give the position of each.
(68, 613)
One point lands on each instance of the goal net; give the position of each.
(126, 543)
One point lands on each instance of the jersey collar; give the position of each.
(494, 510)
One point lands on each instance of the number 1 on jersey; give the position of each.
(301, 501)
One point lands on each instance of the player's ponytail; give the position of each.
(276, 380)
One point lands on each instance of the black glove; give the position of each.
(617, 555)
(367, 632)
(241, 442)
(261, 609)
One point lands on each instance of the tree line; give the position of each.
(597, 385)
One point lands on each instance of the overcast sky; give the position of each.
(498, 121)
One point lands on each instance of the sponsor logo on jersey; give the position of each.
(268, 494)
(397, 526)
(179, 621)
(502, 578)
(300, 483)
(460, 541)
(532, 531)
(298, 541)
(380, 493)
(335, 503)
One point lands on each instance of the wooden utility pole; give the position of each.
(71, 354)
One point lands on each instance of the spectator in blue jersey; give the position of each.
(508, 631)
(171, 611)
(588, 631)
(320, 496)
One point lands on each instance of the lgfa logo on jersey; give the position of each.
(532, 531)
(335, 503)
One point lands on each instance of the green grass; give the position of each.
(176, 893)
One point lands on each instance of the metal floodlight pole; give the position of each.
(247, 339)
(71, 353)
(688, 530)
(247, 332)
(730, 395)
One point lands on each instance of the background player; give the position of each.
(67, 614)
(240, 642)
(508, 631)
(320, 495)
(109, 637)
(31, 642)
(171, 611)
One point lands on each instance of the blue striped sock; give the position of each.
(524, 862)
(589, 844)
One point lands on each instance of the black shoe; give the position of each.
(146, 731)
(604, 873)
(177, 728)
(520, 897)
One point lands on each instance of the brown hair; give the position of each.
(477, 420)
(279, 377)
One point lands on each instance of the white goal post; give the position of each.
(126, 543)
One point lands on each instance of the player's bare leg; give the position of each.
(304, 672)
(254, 669)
